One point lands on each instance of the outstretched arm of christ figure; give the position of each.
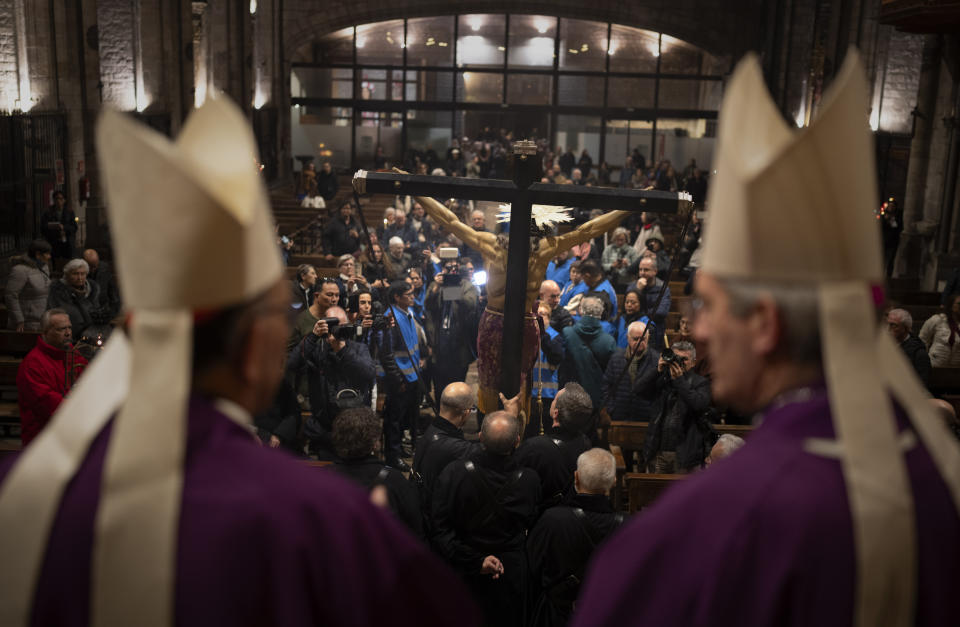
(587, 231)
(481, 241)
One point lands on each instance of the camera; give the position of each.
(341, 332)
(380, 322)
(670, 357)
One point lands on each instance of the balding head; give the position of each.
(338, 313)
(945, 409)
(550, 293)
(456, 401)
(92, 258)
(596, 472)
(500, 433)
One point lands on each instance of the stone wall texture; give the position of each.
(115, 29)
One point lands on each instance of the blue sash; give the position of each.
(408, 329)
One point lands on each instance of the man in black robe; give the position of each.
(554, 457)
(560, 544)
(482, 509)
(443, 441)
(356, 436)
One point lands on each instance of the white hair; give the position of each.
(389, 210)
(620, 231)
(75, 264)
(591, 306)
(597, 470)
(903, 317)
(395, 241)
(725, 446)
(650, 260)
(636, 324)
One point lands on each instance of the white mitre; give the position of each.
(192, 234)
(797, 207)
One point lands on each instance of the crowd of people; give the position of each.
(378, 359)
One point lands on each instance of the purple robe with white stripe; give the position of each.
(765, 538)
(263, 540)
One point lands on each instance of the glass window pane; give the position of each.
(337, 47)
(579, 132)
(687, 144)
(429, 86)
(624, 136)
(378, 128)
(679, 57)
(580, 91)
(380, 43)
(532, 41)
(529, 89)
(689, 94)
(583, 45)
(429, 130)
(380, 84)
(323, 132)
(481, 41)
(312, 82)
(430, 41)
(633, 49)
(479, 87)
(631, 92)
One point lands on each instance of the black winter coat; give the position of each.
(84, 310)
(559, 548)
(327, 374)
(681, 403)
(626, 400)
(916, 352)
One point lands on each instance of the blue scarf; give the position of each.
(408, 329)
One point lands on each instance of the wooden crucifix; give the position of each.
(512, 321)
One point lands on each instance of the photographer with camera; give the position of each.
(675, 441)
(340, 374)
(451, 306)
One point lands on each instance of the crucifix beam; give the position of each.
(507, 192)
(522, 193)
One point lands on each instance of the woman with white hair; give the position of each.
(78, 296)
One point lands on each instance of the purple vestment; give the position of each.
(264, 540)
(765, 538)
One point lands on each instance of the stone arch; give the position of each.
(717, 26)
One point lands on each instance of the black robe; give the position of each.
(554, 458)
(485, 506)
(440, 444)
(402, 495)
(559, 547)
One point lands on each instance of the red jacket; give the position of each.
(42, 384)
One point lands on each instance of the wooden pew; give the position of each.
(630, 435)
(945, 380)
(621, 471)
(314, 463)
(14, 344)
(643, 489)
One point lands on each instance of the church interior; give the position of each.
(342, 100)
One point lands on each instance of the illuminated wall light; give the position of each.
(361, 42)
(584, 48)
(475, 23)
(573, 51)
(542, 24)
(142, 102)
(612, 50)
(253, 7)
(501, 48)
(654, 50)
(442, 44)
(259, 99)
(875, 120)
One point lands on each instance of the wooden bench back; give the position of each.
(643, 489)
(630, 435)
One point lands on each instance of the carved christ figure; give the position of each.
(493, 249)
